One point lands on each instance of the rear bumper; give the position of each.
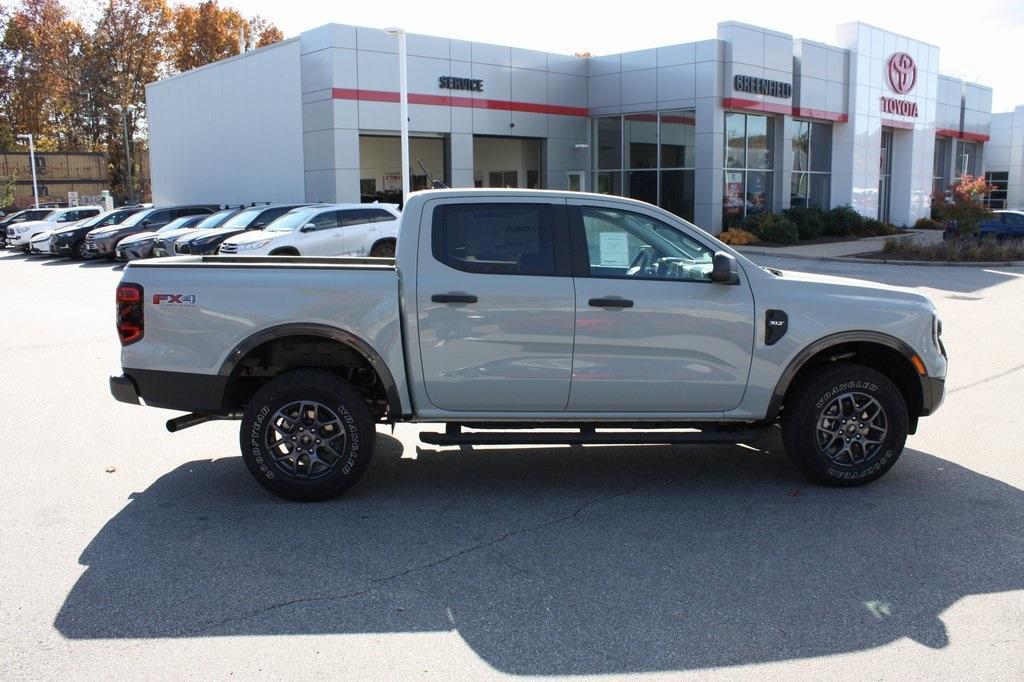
(183, 391)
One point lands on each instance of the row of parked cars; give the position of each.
(147, 231)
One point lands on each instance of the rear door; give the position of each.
(358, 231)
(494, 303)
(653, 333)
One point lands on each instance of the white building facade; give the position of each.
(750, 121)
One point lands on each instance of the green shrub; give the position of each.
(875, 228)
(842, 221)
(928, 224)
(959, 250)
(810, 222)
(771, 227)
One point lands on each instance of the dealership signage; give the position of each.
(901, 72)
(762, 86)
(453, 83)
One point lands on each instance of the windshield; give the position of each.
(39, 214)
(104, 219)
(243, 219)
(290, 221)
(176, 224)
(137, 218)
(214, 220)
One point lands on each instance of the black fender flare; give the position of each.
(831, 340)
(230, 363)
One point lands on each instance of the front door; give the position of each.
(577, 181)
(495, 305)
(323, 235)
(653, 333)
(885, 175)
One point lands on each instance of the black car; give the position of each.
(70, 241)
(103, 241)
(163, 245)
(21, 217)
(206, 242)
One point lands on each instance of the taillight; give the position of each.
(130, 322)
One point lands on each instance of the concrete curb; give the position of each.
(881, 261)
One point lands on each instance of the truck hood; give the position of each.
(849, 286)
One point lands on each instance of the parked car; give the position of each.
(520, 309)
(40, 244)
(20, 234)
(70, 241)
(335, 230)
(205, 242)
(102, 241)
(140, 245)
(163, 245)
(1002, 225)
(27, 215)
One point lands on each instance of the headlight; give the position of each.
(247, 246)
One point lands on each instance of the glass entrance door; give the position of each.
(885, 175)
(577, 181)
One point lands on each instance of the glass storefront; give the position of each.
(810, 184)
(1000, 181)
(647, 156)
(941, 164)
(966, 158)
(749, 159)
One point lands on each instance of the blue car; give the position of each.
(1002, 225)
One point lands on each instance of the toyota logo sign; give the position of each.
(902, 73)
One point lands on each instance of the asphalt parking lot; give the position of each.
(126, 550)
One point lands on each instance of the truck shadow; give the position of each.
(560, 561)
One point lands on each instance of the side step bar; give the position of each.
(587, 437)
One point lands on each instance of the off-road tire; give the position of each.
(383, 249)
(263, 421)
(806, 424)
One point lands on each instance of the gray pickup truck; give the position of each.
(528, 317)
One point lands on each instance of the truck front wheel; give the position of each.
(307, 435)
(844, 424)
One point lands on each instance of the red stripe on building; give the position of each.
(756, 105)
(457, 101)
(971, 137)
(806, 112)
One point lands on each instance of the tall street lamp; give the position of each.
(124, 110)
(32, 162)
(403, 105)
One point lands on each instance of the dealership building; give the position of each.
(753, 120)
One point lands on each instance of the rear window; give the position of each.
(510, 239)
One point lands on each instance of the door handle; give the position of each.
(453, 298)
(610, 303)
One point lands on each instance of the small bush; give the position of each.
(771, 227)
(928, 224)
(810, 222)
(962, 250)
(875, 228)
(737, 237)
(842, 221)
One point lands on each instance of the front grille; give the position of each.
(228, 248)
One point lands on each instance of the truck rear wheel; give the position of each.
(844, 425)
(307, 435)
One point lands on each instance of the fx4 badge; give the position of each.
(176, 300)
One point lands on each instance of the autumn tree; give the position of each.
(40, 67)
(204, 33)
(262, 33)
(130, 49)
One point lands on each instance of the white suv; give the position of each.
(324, 230)
(20, 234)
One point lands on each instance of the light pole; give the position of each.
(403, 105)
(32, 162)
(123, 110)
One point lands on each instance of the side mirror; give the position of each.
(724, 269)
(308, 227)
(147, 222)
(257, 226)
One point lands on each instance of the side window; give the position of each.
(1014, 219)
(357, 216)
(273, 214)
(158, 218)
(68, 217)
(325, 221)
(508, 239)
(623, 244)
(379, 215)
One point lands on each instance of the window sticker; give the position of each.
(614, 249)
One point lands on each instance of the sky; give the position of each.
(980, 40)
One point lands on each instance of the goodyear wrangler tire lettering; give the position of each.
(307, 435)
(844, 425)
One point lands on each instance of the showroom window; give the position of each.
(812, 165)
(647, 156)
(940, 167)
(749, 154)
(1000, 181)
(966, 158)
